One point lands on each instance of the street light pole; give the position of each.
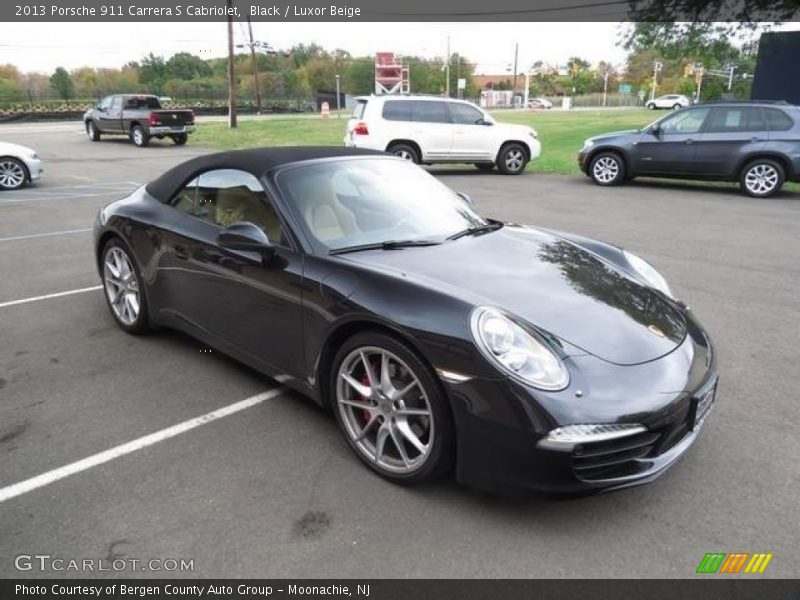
(255, 65)
(338, 99)
(447, 69)
(232, 121)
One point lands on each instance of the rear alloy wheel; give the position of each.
(123, 289)
(762, 178)
(139, 137)
(13, 174)
(651, 106)
(405, 152)
(512, 159)
(607, 168)
(92, 132)
(676, 107)
(391, 410)
(485, 167)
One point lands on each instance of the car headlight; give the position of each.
(588, 144)
(517, 351)
(648, 273)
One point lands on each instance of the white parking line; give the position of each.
(38, 235)
(48, 296)
(29, 485)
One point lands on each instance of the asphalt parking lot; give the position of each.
(274, 491)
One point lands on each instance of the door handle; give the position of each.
(181, 252)
(689, 141)
(755, 139)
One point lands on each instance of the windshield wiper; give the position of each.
(490, 225)
(387, 245)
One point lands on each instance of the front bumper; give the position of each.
(500, 422)
(583, 161)
(35, 169)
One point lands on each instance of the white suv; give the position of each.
(669, 101)
(433, 129)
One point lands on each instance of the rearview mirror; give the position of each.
(467, 200)
(247, 237)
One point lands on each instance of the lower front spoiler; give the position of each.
(506, 460)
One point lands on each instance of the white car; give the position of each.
(18, 166)
(674, 101)
(540, 103)
(435, 129)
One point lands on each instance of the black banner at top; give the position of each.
(400, 10)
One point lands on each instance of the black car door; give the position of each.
(730, 134)
(237, 297)
(108, 118)
(669, 148)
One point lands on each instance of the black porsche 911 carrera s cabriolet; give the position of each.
(524, 358)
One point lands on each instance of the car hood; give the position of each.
(614, 134)
(551, 283)
(7, 148)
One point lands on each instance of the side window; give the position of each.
(116, 102)
(777, 120)
(734, 119)
(689, 121)
(463, 114)
(397, 110)
(227, 196)
(427, 111)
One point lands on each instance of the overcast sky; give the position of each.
(44, 46)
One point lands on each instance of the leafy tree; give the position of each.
(186, 66)
(745, 13)
(153, 73)
(61, 82)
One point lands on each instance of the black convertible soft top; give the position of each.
(255, 161)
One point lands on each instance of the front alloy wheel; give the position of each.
(607, 168)
(123, 289)
(390, 409)
(512, 159)
(762, 178)
(12, 174)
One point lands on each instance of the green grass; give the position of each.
(561, 133)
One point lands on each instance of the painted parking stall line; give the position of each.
(23, 487)
(41, 235)
(49, 296)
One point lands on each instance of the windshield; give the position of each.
(344, 203)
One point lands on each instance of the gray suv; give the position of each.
(754, 143)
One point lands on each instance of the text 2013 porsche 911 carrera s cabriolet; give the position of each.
(524, 358)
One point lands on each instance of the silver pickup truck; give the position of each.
(138, 116)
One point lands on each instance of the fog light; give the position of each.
(566, 438)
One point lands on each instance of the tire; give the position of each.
(676, 107)
(607, 168)
(485, 167)
(180, 139)
(139, 137)
(406, 152)
(512, 159)
(92, 132)
(122, 288)
(375, 426)
(651, 106)
(13, 173)
(762, 178)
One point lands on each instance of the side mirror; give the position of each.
(247, 237)
(655, 130)
(466, 199)
(484, 122)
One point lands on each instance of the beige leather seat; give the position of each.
(242, 204)
(326, 217)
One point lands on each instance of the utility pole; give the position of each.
(338, 99)
(255, 65)
(656, 68)
(232, 122)
(516, 56)
(447, 69)
(730, 78)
